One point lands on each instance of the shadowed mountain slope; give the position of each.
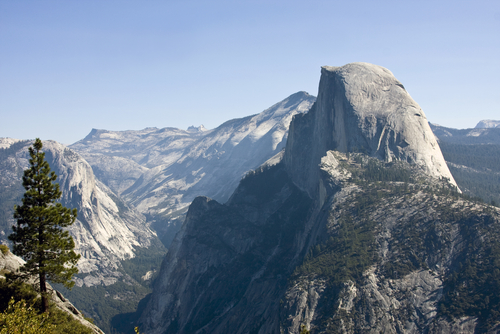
(160, 171)
(351, 231)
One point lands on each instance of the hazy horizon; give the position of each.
(68, 67)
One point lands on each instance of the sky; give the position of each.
(67, 67)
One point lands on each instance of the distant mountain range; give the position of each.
(133, 188)
(160, 171)
(137, 186)
(467, 136)
(357, 228)
(488, 123)
(473, 156)
(106, 231)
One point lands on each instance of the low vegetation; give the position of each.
(20, 307)
(22, 318)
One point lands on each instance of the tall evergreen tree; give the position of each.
(39, 236)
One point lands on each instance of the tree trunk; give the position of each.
(43, 292)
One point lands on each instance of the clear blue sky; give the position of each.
(69, 66)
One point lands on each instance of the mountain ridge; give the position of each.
(174, 166)
(371, 245)
(106, 230)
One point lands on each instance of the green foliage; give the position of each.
(419, 241)
(344, 256)
(272, 233)
(65, 324)
(21, 318)
(349, 250)
(479, 157)
(146, 259)
(39, 236)
(117, 306)
(4, 249)
(103, 303)
(376, 170)
(478, 183)
(60, 322)
(303, 329)
(19, 291)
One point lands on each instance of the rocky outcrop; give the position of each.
(167, 168)
(229, 262)
(356, 230)
(409, 279)
(488, 123)
(361, 108)
(11, 263)
(163, 170)
(272, 260)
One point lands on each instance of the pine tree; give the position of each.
(39, 236)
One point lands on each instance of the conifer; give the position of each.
(39, 236)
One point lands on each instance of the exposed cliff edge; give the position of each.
(361, 108)
(352, 232)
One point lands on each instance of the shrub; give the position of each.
(21, 318)
(4, 249)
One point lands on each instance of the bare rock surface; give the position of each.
(355, 228)
(160, 171)
(106, 231)
(362, 108)
(163, 170)
(488, 123)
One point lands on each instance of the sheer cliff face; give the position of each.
(363, 242)
(361, 108)
(106, 230)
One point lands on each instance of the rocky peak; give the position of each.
(200, 128)
(488, 123)
(361, 108)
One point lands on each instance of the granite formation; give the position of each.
(355, 228)
(106, 230)
(361, 108)
(161, 171)
(488, 123)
